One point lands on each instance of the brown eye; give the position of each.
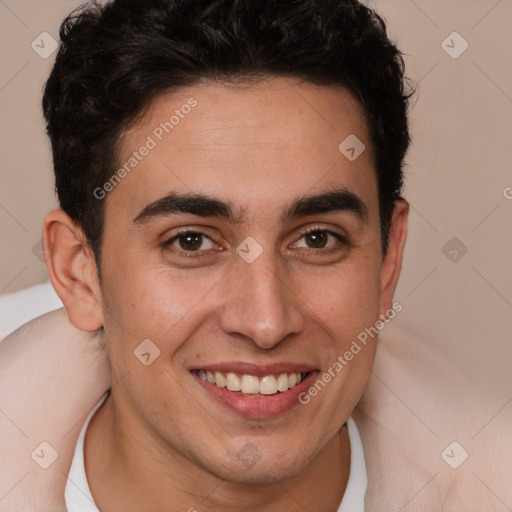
(320, 239)
(190, 241)
(316, 239)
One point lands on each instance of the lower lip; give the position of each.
(258, 406)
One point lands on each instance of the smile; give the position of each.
(255, 391)
(251, 385)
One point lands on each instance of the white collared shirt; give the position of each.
(79, 498)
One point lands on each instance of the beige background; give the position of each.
(444, 369)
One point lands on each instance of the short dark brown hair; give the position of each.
(115, 58)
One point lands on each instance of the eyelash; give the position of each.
(198, 231)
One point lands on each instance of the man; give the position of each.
(229, 174)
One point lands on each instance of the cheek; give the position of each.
(348, 307)
(147, 301)
(346, 300)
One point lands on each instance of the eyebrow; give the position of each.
(332, 201)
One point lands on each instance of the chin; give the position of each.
(260, 477)
(258, 470)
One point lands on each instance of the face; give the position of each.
(245, 246)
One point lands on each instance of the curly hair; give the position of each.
(115, 58)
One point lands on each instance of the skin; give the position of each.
(258, 148)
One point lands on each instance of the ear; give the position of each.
(72, 270)
(392, 262)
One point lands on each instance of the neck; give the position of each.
(128, 470)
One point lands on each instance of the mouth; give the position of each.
(254, 391)
(252, 385)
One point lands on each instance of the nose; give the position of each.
(260, 304)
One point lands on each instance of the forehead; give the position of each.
(260, 143)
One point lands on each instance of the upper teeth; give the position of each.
(267, 385)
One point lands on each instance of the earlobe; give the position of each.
(392, 262)
(72, 270)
